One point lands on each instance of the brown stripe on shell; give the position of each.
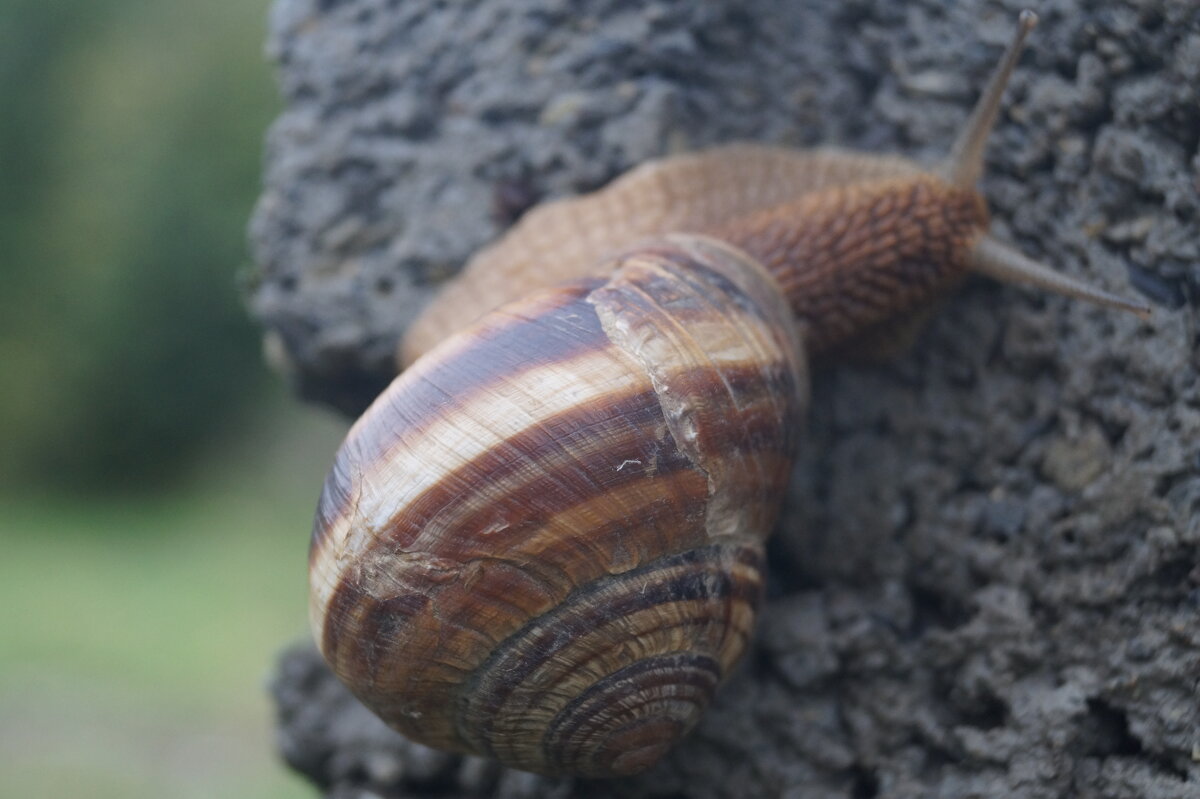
(553, 326)
(514, 496)
(550, 327)
(525, 479)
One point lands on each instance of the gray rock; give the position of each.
(985, 582)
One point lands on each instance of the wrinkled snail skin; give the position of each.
(544, 542)
(847, 257)
(694, 192)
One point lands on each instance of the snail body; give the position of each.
(695, 192)
(544, 542)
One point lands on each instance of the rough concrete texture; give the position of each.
(986, 580)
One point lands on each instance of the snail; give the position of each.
(544, 542)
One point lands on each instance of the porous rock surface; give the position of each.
(986, 579)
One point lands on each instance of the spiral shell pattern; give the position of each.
(544, 542)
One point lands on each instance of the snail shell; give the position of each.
(548, 546)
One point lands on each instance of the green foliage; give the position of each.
(129, 159)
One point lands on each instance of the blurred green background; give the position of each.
(156, 483)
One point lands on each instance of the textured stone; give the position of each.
(954, 610)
